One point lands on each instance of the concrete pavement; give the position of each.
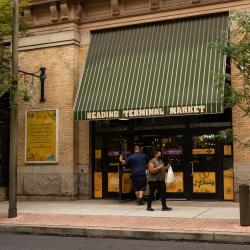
(181, 209)
(189, 220)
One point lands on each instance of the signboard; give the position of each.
(227, 150)
(98, 154)
(172, 151)
(204, 182)
(228, 184)
(203, 151)
(41, 136)
(98, 185)
(113, 182)
(178, 185)
(145, 112)
(127, 186)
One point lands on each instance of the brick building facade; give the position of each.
(59, 40)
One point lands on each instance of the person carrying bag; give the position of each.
(156, 181)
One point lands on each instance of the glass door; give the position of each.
(173, 154)
(111, 180)
(204, 171)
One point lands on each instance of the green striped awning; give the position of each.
(156, 69)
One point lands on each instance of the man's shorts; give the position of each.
(139, 182)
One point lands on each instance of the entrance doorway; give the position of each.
(196, 156)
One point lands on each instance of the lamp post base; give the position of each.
(12, 213)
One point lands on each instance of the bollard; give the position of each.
(244, 205)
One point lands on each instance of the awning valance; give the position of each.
(152, 70)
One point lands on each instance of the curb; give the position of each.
(126, 233)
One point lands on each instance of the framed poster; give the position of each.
(204, 182)
(178, 185)
(41, 136)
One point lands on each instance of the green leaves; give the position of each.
(237, 49)
(5, 36)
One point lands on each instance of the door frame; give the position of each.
(187, 133)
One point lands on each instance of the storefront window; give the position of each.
(204, 150)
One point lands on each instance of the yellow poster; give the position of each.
(127, 186)
(203, 151)
(41, 136)
(204, 182)
(97, 185)
(178, 185)
(228, 184)
(98, 154)
(227, 150)
(113, 182)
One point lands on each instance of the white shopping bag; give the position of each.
(170, 175)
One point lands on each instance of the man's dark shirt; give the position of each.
(137, 162)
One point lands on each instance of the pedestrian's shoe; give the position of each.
(166, 209)
(150, 209)
(140, 202)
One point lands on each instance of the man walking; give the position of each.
(156, 181)
(137, 162)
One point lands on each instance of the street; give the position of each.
(35, 242)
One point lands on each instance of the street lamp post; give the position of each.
(13, 114)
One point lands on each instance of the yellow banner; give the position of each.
(98, 154)
(228, 184)
(127, 186)
(178, 185)
(113, 182)
(41, 136)
(203, 151)
(97, 185)
(204, 182)
(227, 150)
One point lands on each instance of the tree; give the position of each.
(5, 33)
(237, 49)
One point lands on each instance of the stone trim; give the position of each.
(67, 9)
(49, 169)
(143, 18)
(53, 12)
(115, 8)
(64, 10)
(49, 40)
(155, 4)
(21, 198)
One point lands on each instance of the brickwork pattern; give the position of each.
(62, 77)
(241, 126)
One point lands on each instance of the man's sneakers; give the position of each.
(163, 209)
(166, 208)
(140, 202)
(150, 209)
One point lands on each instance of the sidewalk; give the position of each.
(189, 220)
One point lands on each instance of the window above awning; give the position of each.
(151, 70)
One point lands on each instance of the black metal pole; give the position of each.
(13, 114)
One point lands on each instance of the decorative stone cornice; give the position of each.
(115, 8)
(27, 13)
(79, 10)
(196, 1)
(45, 12)
(155, 4)
(53, 11)
(64, 10)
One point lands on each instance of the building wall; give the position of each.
(241, 154)
(82, 141)
(62, 45)
(61, 180)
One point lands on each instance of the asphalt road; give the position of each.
(34, 242)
